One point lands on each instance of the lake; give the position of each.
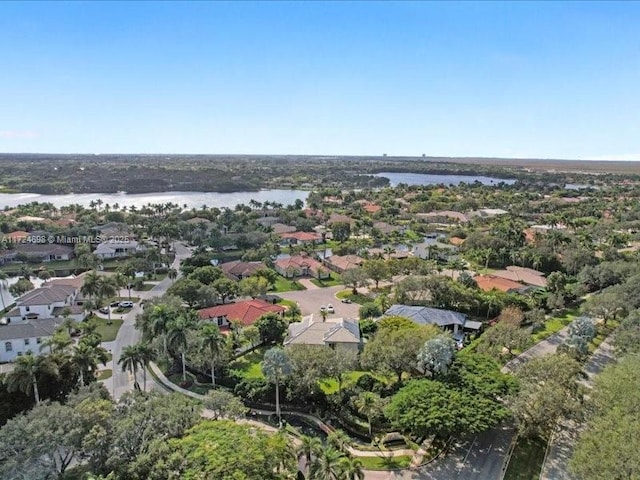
(190, 199)
(433, 179)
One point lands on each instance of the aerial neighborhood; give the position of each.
(346, 315)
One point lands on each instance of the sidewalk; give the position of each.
(563, 441)
(547, 346)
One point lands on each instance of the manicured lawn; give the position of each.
(602, 333)
(108, 332)
(555, 324)
(104, 374)
(332, 281)
(358, 298)
(286, 285)
(248, 365)
(526, 461)
(330, 385)
(385, 463)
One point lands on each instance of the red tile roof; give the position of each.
(302, 236)
(244, 312)
(491, 282)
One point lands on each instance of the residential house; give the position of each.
(342, 263)
(246, 313)
(238, 270)
(48, 301)
(301, 266)
(113, 229)
(20, 338)
(300, 238)
(114, 249)
(528, 276)
(16, 237)
(280, 228)
(333, 333)
(268, 221)
(446, 319)
(340, 218)
(45, 252)
(432, 248)
(443, 216)
(387, 229)
(491, 282)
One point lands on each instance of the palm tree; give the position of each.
(309, 446)
(130, 360)
(172, 273)
(90, 286)
(160, 318)
(212, 345)
(367, 404)
(24, 377)
(326, 466)
(86, 358)
(107, 288)
(146, 354)
(276, 367)
(351, 468)
(177, 336)
(57, 343)
(128, 270)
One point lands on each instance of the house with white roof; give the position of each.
(113, 249)
(334, 333)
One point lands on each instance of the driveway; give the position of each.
(311, 300)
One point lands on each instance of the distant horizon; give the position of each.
(390, 156)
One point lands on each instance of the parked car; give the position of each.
(114, 304)
(126, 304)
(323, 308)
(346, 300)
(104, 310)
(330, 308)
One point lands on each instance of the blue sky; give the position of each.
(548, 79)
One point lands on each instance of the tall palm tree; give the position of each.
(128, 271)
(212, 345)
(130, 360)
(326, 466)
(276, 367)
(160, 318)
(367, 404)
(309, 447)
(177, 336)
(146, 354)
(90, 286)
(28, 368)
(86, 358)
(107, 288)
(351, 468)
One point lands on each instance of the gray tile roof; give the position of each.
(46, 295)
(44, 327)
(427, 315)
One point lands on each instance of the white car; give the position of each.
(330, 308)
(126, 304)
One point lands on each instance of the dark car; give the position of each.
(114, 304)
(346, 300)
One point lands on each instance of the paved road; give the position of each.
(120, 381)
(561, 446)
(478, 458)
(311, 300)
(540, 349)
